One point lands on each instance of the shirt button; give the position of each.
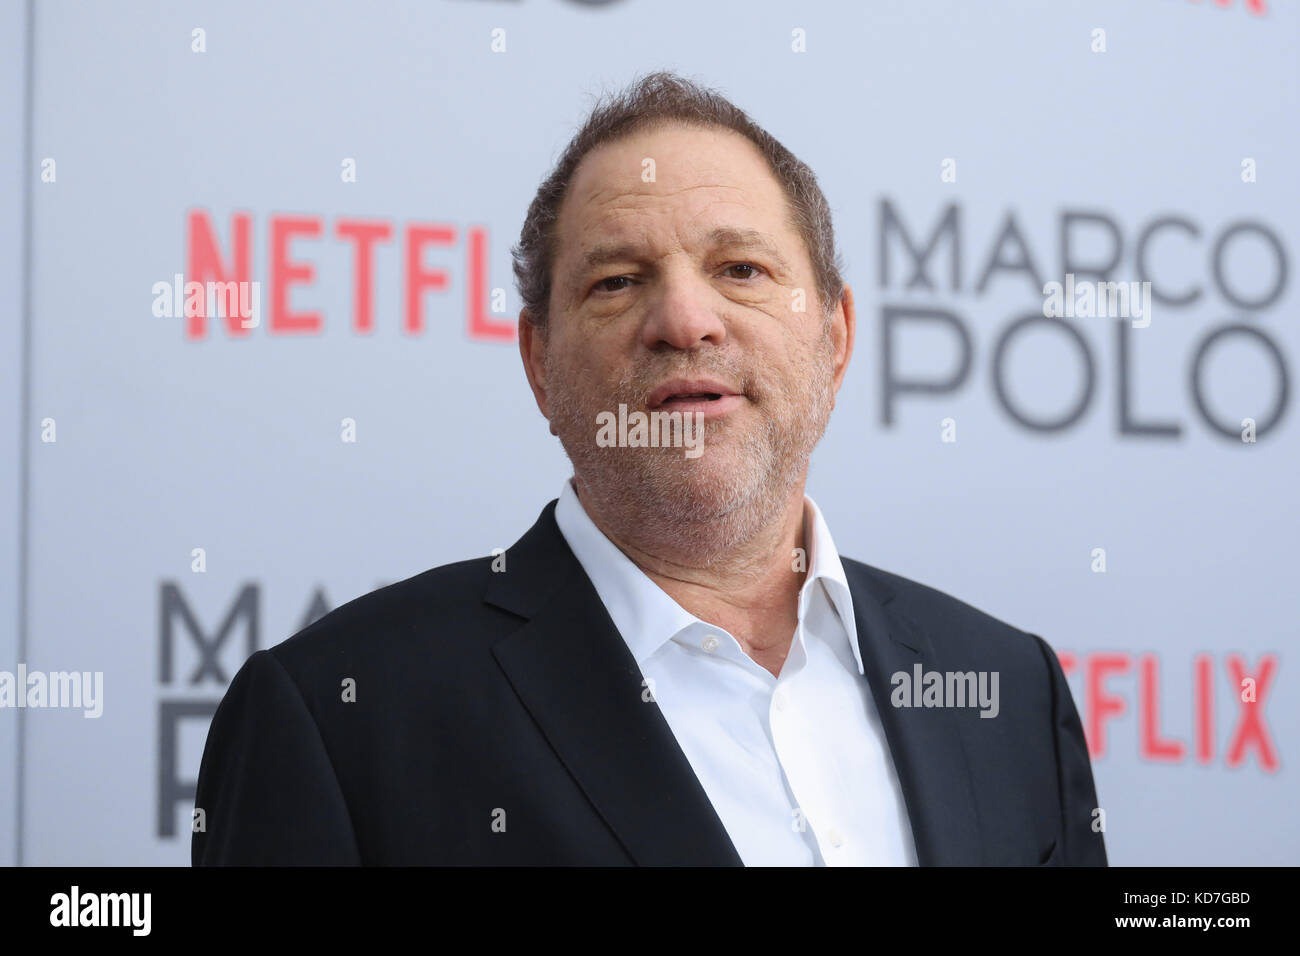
(835, 837)
(710, 644)
(779, 700)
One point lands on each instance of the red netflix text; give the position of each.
(207, 261)
(1112, 679)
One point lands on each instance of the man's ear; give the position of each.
(844, 325)
(532, 349)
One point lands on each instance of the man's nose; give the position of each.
(682, 314)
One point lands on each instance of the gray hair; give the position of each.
(655, 100)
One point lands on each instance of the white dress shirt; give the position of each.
(796, 766)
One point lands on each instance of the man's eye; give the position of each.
(612, 284)
(753, 270)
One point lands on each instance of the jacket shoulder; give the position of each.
(416, 612)
(948, 620)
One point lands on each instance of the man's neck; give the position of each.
(753, 594)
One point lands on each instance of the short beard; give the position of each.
(665, 503)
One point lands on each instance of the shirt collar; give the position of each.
(643, 612)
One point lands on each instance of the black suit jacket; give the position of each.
(499, 718)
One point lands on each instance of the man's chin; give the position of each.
(711, 485)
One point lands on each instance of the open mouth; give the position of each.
(676, 393)
(690, 397)
(710, 397)
(705, 405)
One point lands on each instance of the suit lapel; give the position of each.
(926, 743)
(576, 676)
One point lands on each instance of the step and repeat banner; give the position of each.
(1071, 230)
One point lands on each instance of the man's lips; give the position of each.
(712, 406)
(694, 395)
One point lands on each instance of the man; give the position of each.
(674, 665)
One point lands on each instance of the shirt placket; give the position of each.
(789, 730)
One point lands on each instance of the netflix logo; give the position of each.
(1111, 681)
(207, 260)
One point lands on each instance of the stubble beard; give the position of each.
(702, 510)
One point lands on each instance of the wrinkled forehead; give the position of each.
(671, 182)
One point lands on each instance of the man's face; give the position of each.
(696, 276)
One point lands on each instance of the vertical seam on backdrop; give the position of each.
(24, 458)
